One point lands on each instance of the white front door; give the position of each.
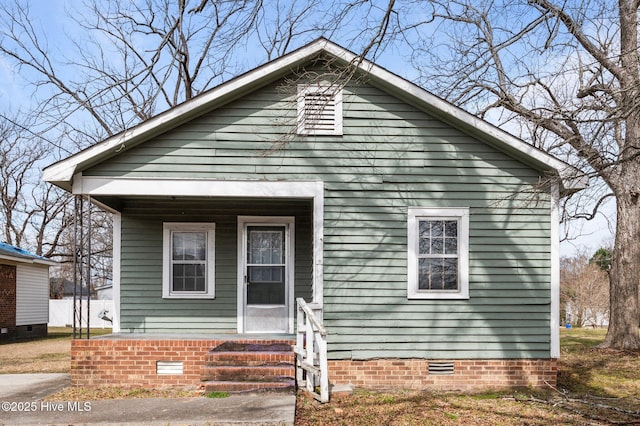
(265, 279)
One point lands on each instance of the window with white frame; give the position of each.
(188, 260)
(319, 109)
(438, 253)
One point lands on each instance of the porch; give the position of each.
(205, 267)
(207, 362)
(194, 362)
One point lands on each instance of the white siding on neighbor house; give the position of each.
(32, 295)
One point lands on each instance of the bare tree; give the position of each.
(134, 61)
(32, 214)
(584, 291)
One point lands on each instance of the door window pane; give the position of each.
(265, 245)
(266, 273)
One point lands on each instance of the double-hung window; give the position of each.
(188, 260)
(438, 253)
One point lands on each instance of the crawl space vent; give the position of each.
(169, 367)
(440, 368)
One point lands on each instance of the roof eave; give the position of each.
(30, 260)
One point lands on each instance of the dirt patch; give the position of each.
(85, 394)
(51, 355)
(431, 408)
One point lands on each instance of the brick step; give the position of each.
(254, 353)
(257, 346)
(257, 366)
(285, 386)
(249, 358)
(248, 373)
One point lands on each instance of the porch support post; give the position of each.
(555, 271)
(88, 271)
(318, 248)
(75, 255)
(116, 241)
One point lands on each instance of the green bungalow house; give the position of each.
(392, 238)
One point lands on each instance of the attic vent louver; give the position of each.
(319, 110)
(441, 368)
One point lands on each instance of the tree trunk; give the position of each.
(625, 271)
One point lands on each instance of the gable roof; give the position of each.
(61, 173)
(15, 254)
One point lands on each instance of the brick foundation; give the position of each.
(132, 362)
(7, 301)
(468, 374)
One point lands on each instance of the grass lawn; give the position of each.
(594, 387)
(51, 354)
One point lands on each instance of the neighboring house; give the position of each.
(24, 293)
(62, 288)
(586, 317)
(424, 239)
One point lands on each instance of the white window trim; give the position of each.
(413, 216)
(169, 227)
(323, 88)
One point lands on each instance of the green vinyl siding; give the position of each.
(392, 156)
(142, 308)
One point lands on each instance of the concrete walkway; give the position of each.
(22, 407)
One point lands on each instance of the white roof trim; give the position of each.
(63, 171)
(24, 260)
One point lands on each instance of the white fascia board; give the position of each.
(64, 170)
(96, 186)
(24, 260)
